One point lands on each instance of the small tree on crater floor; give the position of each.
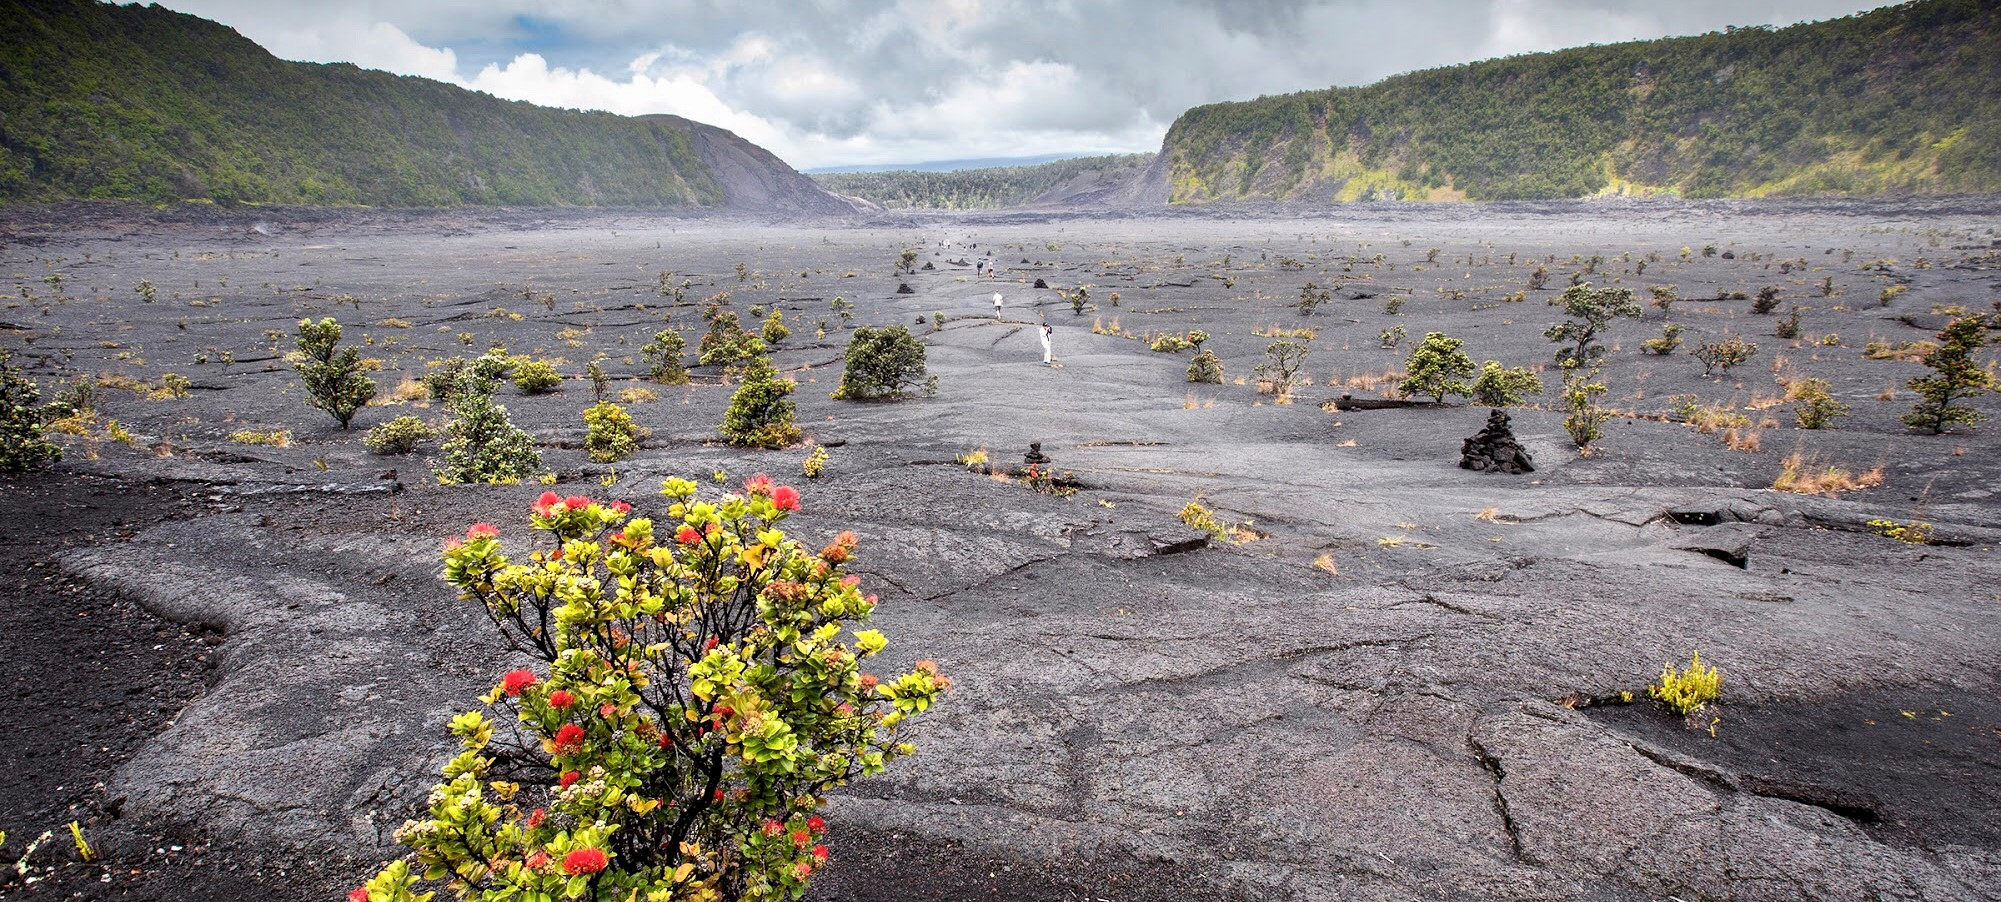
(759, 415)
(481, 443)
(1500, 386)
(22, 446)
(1436, 367)
(1590, 311)
(1280, 369)
(335, 380)
(676, 740)
(884, 364)
(1955, 377)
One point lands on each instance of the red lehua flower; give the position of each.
(816, 823)
(568, 779)
(516, 680)
(561, 698)
(570, 738)
(773, 828)
(482, 531)
(687, 535)
(710, 645)
(607, 710)
(537, 860)
(802, 870)
(801, 838)
(851, 581)
(621, 507)
(453, 544)
(717, 795)
(546, 503)
(358, 894)
(535, 819)
(576, 502)
(868, 680)
(927, 666)
(758, 485)
(666, 741)
(834, 554)
(820, 852)
(785, 498)
(583, 861)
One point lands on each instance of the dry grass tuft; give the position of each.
(1325, 563)
(1804, 474)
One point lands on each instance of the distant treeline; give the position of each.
(141, 103)
(982, 189)
(1902, 99)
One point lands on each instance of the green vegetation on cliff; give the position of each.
(140, 103)
(980, 189)
(1902, 99)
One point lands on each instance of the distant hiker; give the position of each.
(979, 267)
(1046, 332)
(997, 305)
(989, 263)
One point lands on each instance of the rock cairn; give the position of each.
(1494, 449)
(1035, 457)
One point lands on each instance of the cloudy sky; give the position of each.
(833, 82)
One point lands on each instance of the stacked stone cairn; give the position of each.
(1494, 449)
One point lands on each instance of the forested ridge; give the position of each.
(1901, 99)
(142, 103)
(979, 189)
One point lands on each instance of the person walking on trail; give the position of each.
(997, 306)
(980, 267)
(1046, 332)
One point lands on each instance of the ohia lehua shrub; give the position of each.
(702, 686)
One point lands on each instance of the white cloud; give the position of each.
(833, 82)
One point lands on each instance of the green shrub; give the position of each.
(481, 443)
(815, 462)
(1392, 336)
(727, 342)
(1817, 408)
(609, 433)
(1664, 345)
(1719, 356)
(1280, 369)
(1664, 297)
(334, 380)
(398, 436)
(677, 744)
(884, 364)
(1499, 386)
(1437, 367)
(22, 446)
(1590, 311)
(774, 328)
(759, 415)
(1684, 691)
(1789, 328)
(1584, 420)
(1168, 344)
(1205, 368)
(663, 358)
(536, 377)
(442, 380)
(1196, 516)
(1956, 377)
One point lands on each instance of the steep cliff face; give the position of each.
(753, 178)
(1899, 100)
(141, 103)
